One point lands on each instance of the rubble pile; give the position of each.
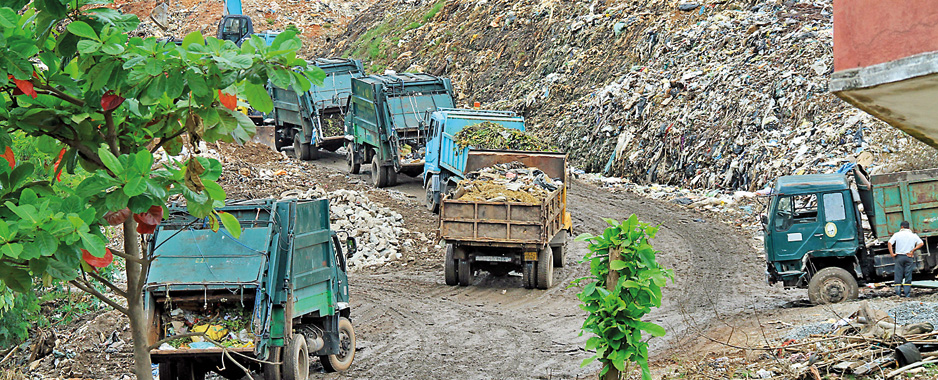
(489, 135)
(224, 325)
(869, 343)
(723, 95)
(508, 182)
(379, 231)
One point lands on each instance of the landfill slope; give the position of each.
(726, 94)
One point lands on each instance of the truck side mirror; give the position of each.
(351, 245)
(765, 222)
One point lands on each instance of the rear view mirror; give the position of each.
(351, 245)
(765, 222)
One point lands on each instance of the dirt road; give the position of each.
(411, 325)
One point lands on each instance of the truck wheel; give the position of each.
(527, 274)
(314, 152)
(391, 176)
(278, 143)
(353, 168)
(272, 371)
(300, 149)
(296, 359)
(343, 360)
(465, 272)
(545, 268)
(560, 251)
(433, 200)
(449, 266)
(832, 285)
(379, 176)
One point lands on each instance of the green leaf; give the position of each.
(47, 243)
(81, 29)
(11, 250)
(92, 243)
(61, 270)
(54, 7)
(231, 223)
(123, 22)
(17, 279)
(198, 86)
(258, 97)
(618, 265)
(193, 38)
(143, 161)
(110, 161)
(116, 200)
(214, 190)
(8, 18)
(651, 328)
(136, 186)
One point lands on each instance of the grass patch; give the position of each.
(437, 7)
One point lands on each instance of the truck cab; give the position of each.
(445, 162)
(812, 223)
(815, 236)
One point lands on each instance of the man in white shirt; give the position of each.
(907, 242)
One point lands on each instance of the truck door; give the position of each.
(839, 231)
(796, 228)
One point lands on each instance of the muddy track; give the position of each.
(411, 325)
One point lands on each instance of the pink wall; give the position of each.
(868, 32)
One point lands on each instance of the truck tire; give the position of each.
(832, 285)
(269, 370)
(528, 274)
(449, 266)
(353, 168)
(379, 176)
(314, 153)
(560, 251)
(545, 268)
(296, 359)
(343, 360)
(465, 272)
(391, 176)
(433, 200)
(300, 149)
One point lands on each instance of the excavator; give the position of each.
(237, 27)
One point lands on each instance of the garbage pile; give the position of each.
(333, 126)
(409, 155)
(508, 182)
(378, 230)
(489, 135)
(866, 344)
(224, 325)
(722, 95)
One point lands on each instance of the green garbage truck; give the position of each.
(315, 119)
(266, 301)
(385, 123)
(829, 232)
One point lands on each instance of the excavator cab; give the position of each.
(235, 28)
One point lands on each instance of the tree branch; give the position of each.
(164, 140)
(109, 284)
(111, 137)
(87, 288)
(61, 95)
(127, 257)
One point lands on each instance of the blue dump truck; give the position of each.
(815, 235)
(314, 120)
(385, 125)
(445, 162)
(278, 293)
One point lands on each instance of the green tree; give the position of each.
(71, 78)
(624, 285)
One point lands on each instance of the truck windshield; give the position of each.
(795, 209)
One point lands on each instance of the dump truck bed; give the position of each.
(911, 196)
(507, 224)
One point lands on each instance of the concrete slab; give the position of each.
(903, 93)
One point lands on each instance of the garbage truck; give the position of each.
(384, 125)
(500, 236)
(314, 120)
(445, 162)
(829, 232)
(267, 300)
